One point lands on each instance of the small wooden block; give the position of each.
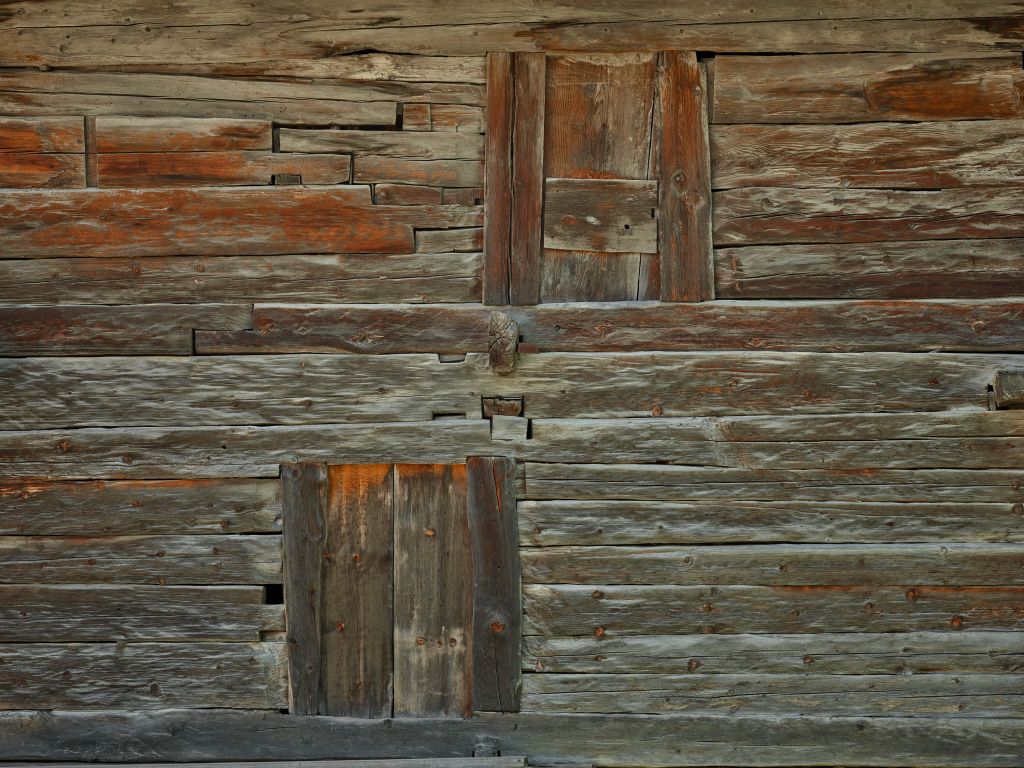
(606, 215)
(1009, 389)
(509, 428)
(502, 406)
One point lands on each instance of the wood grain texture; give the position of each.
(601, 215)
(217, 169)
(181, 134)
(908, 270)
(498, 177)
(415, 145)
(28, 170)
(882, 155)
(854, 653)
(407, 194)
(528, 139)
(860, 87)
(374, 169)
(137, 676)
(42, 134)
(152, 507)
(433, 592)
(497, 600)
(356, 621)
(684, 194)
(1008, 389)
(105, 613)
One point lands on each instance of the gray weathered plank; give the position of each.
(528, 138)
(417, 145)
(497, 594)
(607, 215)
(498, 177)
(1008, 389)
(433, 582)
(138, 676)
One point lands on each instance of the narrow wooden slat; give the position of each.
(433, 592)
(860, 87)
(527, 202)
(143, 675)
(187, 169)
(407, 194)
(41, 134)
(350, 66)
(181, 134)
(444, 240)
(102, 613)
(853, 653)
(408, 762)
(304, 494)
(498, 177)
(356, 622)
(601, 215)
(684, 223)
(400, 144)
(437, 173)
(30, 170)
(497, 609)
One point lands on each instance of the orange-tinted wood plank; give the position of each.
(180, 134)
(31, 170)
(527, 178)
(498, 178)
(164, 169)
(42, 134)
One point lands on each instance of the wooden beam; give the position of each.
(527, 178)
(498, 178)
(604, 215)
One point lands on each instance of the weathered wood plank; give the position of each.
(207, 222)
(310, 389)
(611, 610)
(854, 653)
(608, 215)
(433, 592)
(914, 270)
(369, 169)
(411, 762)
(682, 483)
(181, 134)
(142, 675)
(235, 559)
(352, 66)
(30, 170)
(321, 279)
(884, 155)
(498, 177)
(304, 494)
(460, 240)
(100, 613)
(42, 134)
(868, 86)
(950, 695)
(417, 145)
(782, 564)
(684, 194)
(229, 168)
(824, 326)
(606, 740)
(126, 330)
(356, 621)
(201, 452)
(497, 600)
(772, 215)
(722, 513)
(1008, 389)
(528, 139)
(460, 118)
(407, 194)
(140, 507)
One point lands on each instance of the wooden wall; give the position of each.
(783, 527)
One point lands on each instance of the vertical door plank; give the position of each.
(303, 490)
(498, 178)
(527, 178)
(433, 592)
(356, 611)
(497, 598)
(598, 122)
(684, 237)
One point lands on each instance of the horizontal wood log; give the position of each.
(100, 613)
(140, 507)
(444, 240)
(782, 564)
(28, 170)
(214, 222)
(860, 87)
(41, 134)
(681, 483)
(181, 134)
(438, 173)
(192, 453)
(911, 326)
(722, 513)
(236, 559)
(767, 215)
(310, 389)
(854, 653)
(407, 194)
(410, 762)
(883, 155)
(187, 169)
(605, 740)
(321, 279)
(97, 330)
(913, 270)
(353, 66)
(416, 145)
(607, 215)
(612, 611)
(743, 694)
(142, 675)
